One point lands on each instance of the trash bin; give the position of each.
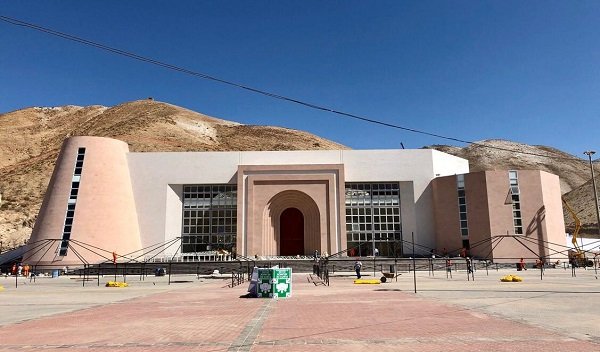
(392, 269)
(55, 273)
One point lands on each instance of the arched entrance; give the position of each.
(302, 218)
(291, 232)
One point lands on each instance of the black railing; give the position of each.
(237, 277)
(322, 270)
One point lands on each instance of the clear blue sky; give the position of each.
(527, 71)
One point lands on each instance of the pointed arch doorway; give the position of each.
(291, 232)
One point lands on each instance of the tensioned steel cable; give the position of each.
(138, 57)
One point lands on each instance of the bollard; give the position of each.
(374, 264)
(414, 263)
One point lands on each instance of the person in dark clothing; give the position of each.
(469, 265)
(357, 267)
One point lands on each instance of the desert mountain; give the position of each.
(30, 140)
(574, 173)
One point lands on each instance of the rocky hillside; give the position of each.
(581, 200)
(30, 140)
(574, 173)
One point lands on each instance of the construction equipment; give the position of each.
(392, 274)
(576, 257)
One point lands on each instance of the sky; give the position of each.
(526, 71)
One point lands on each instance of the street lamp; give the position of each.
(589, 153)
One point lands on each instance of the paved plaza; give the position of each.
(558, 313)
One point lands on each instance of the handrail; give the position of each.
(345, 250)
(237, 278)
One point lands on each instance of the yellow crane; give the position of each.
(579, 255)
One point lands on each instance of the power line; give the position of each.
(135, 56)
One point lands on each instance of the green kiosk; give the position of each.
(271, 283)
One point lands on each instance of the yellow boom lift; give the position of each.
(578, 255)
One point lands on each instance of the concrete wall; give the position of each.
(529, 245)
(445, 202)
(105, 213)
(157, 180)
(499, 203)
(554, 219)
(447, 219)
(154, 176)
(478, 214)
(133, 200)
(490, 215)
(419, 167)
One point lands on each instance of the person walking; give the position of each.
(357, 267)
(448, 267)
(469, 265)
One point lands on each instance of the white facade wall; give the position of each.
(157, 180)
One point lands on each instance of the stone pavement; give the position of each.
(201, 315)
(559, 302)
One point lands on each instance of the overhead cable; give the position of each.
(172, 67)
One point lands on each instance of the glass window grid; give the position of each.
(513, 179)
(373, 215)
(462, 206)
(209, 217)
(70, 213)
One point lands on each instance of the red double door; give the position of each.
(291, 232)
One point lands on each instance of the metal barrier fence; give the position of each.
(324, 267)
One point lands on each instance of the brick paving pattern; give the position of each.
(342, 317)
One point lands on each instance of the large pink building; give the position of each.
(502, 215)
(103, 199)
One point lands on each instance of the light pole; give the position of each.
(589, 153)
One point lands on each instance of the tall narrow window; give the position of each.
(515, 194)
(462, 206)
(70, 212)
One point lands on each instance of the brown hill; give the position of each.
(30, 140)
(574, 173)
(581, 200)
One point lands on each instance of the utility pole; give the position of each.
(589, 153)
